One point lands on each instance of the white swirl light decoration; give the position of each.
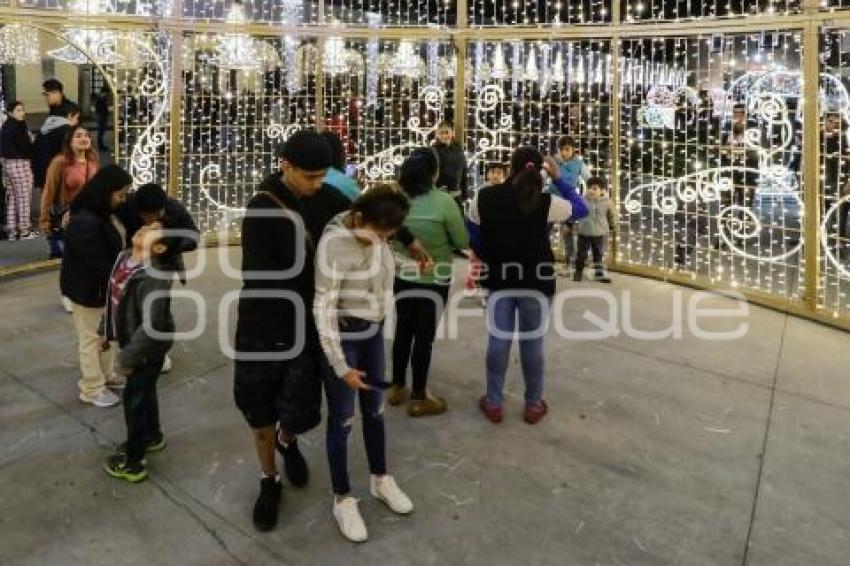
(383, 164)
(709, 184)
(488, 101)
(277, 131)
(772, 110)
(145, 150)
(824, 237)
(731, 225)
(211, 174)
(433, 98)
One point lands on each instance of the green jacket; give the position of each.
(437, 223)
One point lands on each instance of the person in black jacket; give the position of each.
(138, 299)
(93, 239)
(50, 140)
(276, 382)
(16, 149)
(453, 167)
(520, 277)
(149, 203)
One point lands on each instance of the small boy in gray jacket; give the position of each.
(593, 229)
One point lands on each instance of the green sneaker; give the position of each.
(118, 467)
(151, 448)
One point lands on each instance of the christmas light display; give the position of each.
(709, 154)
(19, 46)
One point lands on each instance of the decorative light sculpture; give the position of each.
(19, 45)
(237, 50)
(99, 45)
(407, 62)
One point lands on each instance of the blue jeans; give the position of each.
(366, 353)
(55, 245)
(533, 313)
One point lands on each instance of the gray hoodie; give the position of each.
(54, 122)
(600, 216)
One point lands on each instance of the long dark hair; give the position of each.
(68, 152)
(526, 163)
(383, 206)
(418, 172)
(96, 195)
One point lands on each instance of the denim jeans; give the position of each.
(55, 245)
(141, 409)
(365, 353)
(503, 309)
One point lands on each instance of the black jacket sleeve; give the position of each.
(176, 216)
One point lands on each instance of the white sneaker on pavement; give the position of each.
(350, 521)
(67, 305)
(104, 399)
(166, 364)
(385, 489)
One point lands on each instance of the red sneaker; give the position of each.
(533, 414)
(492, 412)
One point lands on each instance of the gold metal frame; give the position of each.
(810, 22)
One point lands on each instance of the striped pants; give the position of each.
(17, 178)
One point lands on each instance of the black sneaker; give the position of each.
(602, 278)
(118, 467)
(294, 463)
(154, 446)
(266, 507)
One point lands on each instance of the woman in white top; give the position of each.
(354, 282)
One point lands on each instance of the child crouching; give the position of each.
(138, 317)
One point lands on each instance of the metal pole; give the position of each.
(616, 51)
(461, 47)
(175, 154)
(811, 163)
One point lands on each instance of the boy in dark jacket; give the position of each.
(138, 317)
(452, 177)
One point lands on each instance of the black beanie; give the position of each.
(150, 198)
(306, 150)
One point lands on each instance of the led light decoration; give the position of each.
(237, 50)
(87, 45)
(19, 45)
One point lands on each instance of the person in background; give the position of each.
(93, 239)
(496, 173)
(520, 278)
(354, 276)
(573, 170)
(139, 299)
(420, 297)
(336, 176)
(16, 148)
(453, 167)
(68, 173)
(101, 105)
(593, 229)
(62, 114)
(149, 203)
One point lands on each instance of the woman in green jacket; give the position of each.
(420, 297)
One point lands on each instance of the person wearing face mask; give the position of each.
(17, 152)
(93, 239)
(68, 173)
(354, 277)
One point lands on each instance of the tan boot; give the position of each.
(396, 395)
(429, 406)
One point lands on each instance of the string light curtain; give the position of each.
(666, 10)
(532, 93)
(834, 291)
(399, 13)
(710, 178)
(538, 12)
(232, 120)
(386, 98)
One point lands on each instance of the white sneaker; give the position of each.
(30, 236)
(67, 305)
(166, 364)
(350, 521)
(104, 399)
(385, 489)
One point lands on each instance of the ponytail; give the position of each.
(526, 163)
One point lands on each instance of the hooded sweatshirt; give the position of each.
(48, 144)
(599, 218)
